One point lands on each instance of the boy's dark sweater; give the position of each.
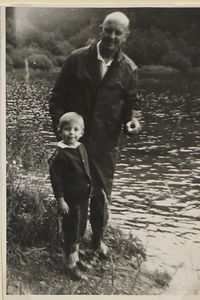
(69, 174)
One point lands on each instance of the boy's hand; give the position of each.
(63, 207)
(133, 126)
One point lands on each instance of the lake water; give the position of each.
(157, 183)
(157, 180)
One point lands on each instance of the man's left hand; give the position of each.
(133, 126)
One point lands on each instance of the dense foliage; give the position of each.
(45, 36)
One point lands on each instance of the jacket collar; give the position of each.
(118, 56)
(99, 57)
(62, 145)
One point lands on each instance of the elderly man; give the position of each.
(100, 83)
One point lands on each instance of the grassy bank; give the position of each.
(39, 270)
(34, 262)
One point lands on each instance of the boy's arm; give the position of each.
(63, 207)
(56, 176)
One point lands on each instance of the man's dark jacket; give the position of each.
(105, 105)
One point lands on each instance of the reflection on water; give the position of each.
(157, 183)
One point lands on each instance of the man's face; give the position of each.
(113, 34)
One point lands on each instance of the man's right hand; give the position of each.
(132, 127)
(63, 207)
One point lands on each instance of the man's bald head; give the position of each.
(119, 17)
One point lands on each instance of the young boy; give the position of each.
(71, 183)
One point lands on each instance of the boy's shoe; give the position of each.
(75, 274)
(83, 266)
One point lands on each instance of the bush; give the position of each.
(147, 47)
(59, 47)
(31, 214)
(17, 56)
(41, 57)
(18, 60)
(9, 48)
(36, 36)
(59, 60)
(9, 63)
(195, 56)
(40, 61)
(81, 38)
(177, 60)
(136, 47)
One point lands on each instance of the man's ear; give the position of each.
(100, 29)
(82, 132)
(127, 35)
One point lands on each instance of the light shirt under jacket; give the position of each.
(103, 65)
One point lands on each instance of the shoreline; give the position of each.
(143, 70)
(39, 271)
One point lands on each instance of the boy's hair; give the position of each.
(70, 116)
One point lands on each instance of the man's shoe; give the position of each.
(83, 266)
(75, 274)
(102, 250)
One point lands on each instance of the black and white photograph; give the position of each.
(105, 99)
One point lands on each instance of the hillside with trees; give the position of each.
(158, 36)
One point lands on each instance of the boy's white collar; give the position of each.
(61, 144)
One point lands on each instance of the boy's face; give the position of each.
(71, 132)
